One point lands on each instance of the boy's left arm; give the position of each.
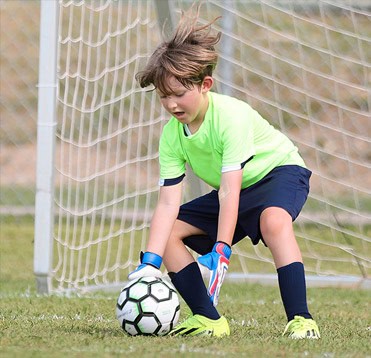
(229, 198)
(217, 261)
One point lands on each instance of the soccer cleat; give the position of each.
(198, 325)
(300, 328)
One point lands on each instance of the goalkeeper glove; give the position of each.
(217, 262)
(150, 265)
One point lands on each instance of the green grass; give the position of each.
(78, 327)
(40, 326)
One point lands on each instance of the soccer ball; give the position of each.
(148, 306)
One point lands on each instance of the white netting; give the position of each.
(304, 65)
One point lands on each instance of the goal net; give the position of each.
(304, 65)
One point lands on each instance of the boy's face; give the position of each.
(188, 106)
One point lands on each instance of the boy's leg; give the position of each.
(191, 287)
(205, 320)
(176, 255)
(278, 234)
(187, 279)
(185, 273)
(277, 231)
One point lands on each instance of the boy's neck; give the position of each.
(194, 126)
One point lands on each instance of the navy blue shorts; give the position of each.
(286, 187)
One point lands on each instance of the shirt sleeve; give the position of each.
(172, 162)
(237, 142)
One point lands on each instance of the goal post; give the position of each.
(304, 65)
(46, 125)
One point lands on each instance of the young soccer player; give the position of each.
(260, 182)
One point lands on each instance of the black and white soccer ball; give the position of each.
(148, 306)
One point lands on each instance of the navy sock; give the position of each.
(191, 287)
(291, 279)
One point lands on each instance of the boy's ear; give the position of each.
(207, 84)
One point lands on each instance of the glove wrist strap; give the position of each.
(223, 248)
(224, 243)
(151, 258)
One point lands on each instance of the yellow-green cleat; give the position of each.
(198, 325)
(301, 328)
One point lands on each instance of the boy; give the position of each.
(260, 182)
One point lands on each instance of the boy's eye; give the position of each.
(180, 94)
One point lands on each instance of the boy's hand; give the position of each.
(150, 266)
(217, 262)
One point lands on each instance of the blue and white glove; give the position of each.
(150, 266)
(217, 262)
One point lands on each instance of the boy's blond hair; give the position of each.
(189, 55)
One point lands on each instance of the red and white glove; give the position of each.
(217, 262)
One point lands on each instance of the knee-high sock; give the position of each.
(291, 279)
(191, 287)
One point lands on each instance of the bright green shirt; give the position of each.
(232, 136)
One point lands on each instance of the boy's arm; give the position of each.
(229, 198)
(163, 219)
(217, 261)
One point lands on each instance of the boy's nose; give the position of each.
(171, 104)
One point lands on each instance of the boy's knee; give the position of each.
(273, 222)
(182, 230)
(176, 233)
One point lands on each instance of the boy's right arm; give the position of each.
(163, 219)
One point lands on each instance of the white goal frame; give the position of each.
(346, 222)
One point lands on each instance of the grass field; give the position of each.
(39, 326)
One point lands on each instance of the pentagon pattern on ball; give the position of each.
(148, 306)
